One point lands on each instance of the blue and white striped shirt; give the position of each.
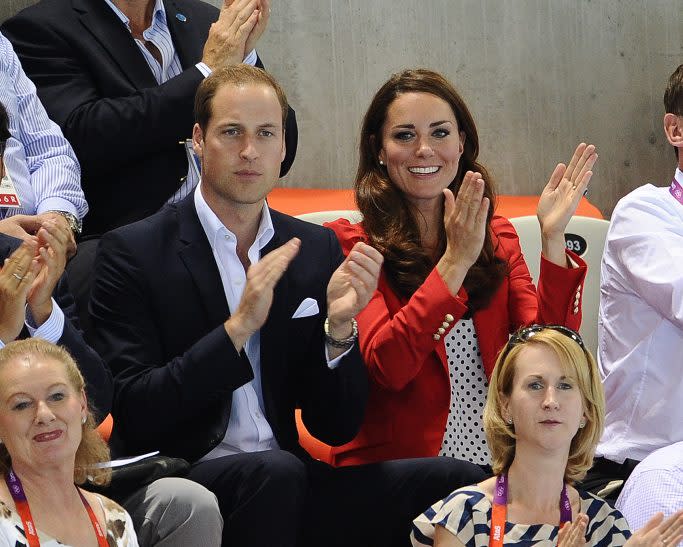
(51, 330)
(159, 35)
(38, 158)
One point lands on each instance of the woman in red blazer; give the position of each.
(454, 283)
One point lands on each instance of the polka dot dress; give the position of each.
(464, 437)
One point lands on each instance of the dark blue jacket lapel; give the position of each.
(99, 19)
(197, 256)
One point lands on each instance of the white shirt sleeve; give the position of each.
(651, 252)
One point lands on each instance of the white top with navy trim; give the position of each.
(466, 513)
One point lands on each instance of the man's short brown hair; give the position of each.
(673, 96)
(237, 75)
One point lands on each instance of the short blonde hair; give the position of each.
(575, 360)
(92, 449)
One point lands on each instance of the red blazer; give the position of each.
(409, 380)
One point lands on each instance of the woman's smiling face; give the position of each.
(40, 412)
(421, 146)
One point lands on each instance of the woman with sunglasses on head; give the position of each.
(454, 283)
(543, 418)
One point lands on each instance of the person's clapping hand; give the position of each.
(228, 36)
(566, 187)
(465, 219)
(16, 277)
(573, 534)
(257, 298)
(259, 27)
(22, 227)
(53, 239)
(351, 286)
(64, 225)
(659, 532)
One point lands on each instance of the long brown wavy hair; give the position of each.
(389, 219)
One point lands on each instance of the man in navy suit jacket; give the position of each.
(120, 78)
(219, 317)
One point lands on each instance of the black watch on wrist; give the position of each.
(75, 223)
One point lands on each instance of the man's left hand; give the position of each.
(351, 287)
(63, 224)
(259, 27)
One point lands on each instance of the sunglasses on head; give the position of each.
(523, 335)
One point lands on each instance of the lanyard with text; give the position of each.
(676, 191)
(499, 511)
(21, 503)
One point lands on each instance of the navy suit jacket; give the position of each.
(97, 376)
(158, 308)
(124, 127)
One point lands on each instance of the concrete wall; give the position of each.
(538, 75)
(10, 7)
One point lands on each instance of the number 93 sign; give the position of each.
(575, 243)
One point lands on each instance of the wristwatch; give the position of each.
(74, 222)
(344, 343)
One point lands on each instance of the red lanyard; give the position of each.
(21, 503)
(676, 191)
(499, 511)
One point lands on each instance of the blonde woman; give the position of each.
(543, 418)
(49, 446)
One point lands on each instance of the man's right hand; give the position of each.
(21, 226)
(228, 36)
(16, 278)
(258, 294)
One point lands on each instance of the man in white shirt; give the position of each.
(641, 315)
(220, 316)
(655, 485)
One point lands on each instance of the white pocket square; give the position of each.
(307, 308)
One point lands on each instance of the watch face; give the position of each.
(74, 223)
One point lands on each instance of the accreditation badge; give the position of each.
(8, 193)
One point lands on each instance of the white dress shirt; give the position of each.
(640, 325)
(656, 484)
(248, 429)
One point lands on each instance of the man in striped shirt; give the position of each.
(41, 179)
